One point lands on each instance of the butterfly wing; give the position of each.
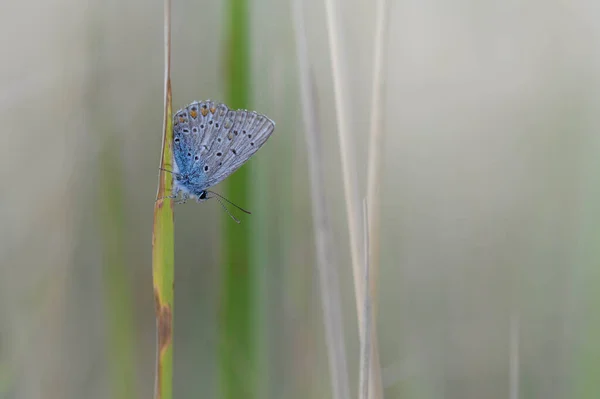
(183, 143)
(242, 134)
(192, 125)
(220, 140)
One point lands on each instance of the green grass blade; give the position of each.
(117, 282)
(237, 340)
(163, 245)
(163, 268)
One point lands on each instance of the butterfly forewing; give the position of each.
(253, 130)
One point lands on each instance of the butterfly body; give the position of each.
(210, 142)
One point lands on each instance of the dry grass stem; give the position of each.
(376, 140)
(347, 152)
(365, 342)
(167, 83)
(326, 265)
(375, 161)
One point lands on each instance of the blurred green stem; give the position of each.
(117, 282)
(163, 237)
(238, 300)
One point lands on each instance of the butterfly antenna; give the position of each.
(227, 210)
(225, 199)
(167, 170)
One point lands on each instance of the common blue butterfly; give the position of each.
(210, 142)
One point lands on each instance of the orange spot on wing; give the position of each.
(193, 114)
(204, 112)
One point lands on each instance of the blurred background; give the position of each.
(490, 215)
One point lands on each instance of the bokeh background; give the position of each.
(490, 218)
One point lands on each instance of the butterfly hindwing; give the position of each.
(183, 143)
(211, 141)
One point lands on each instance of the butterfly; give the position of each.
(210, 142)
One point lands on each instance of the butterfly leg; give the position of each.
(167, 197)
(174, 195)
(183, 199)
(202, 197)
(175, 191)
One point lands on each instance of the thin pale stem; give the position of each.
(374, 172)
(365, 342)
(167, 90)
(326, 265)
(376, 141)
(347, 152)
